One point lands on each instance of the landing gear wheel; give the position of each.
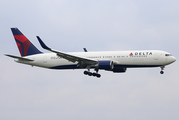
(98, 75)
(161, 72)
(90, 74)
(85, 72)
(94, 74)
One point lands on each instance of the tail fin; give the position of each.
(25, 46)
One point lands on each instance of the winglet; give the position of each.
(85, 49)
(43, 44)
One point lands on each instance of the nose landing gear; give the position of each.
(161, 72)
(162, 68)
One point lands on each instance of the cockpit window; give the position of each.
(168, 55)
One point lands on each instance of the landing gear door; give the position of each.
(156, 56)
(44, 60)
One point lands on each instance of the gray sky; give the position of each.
(66, 25)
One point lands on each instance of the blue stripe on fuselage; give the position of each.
(65, 67)
(122, 66)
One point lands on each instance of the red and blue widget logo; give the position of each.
(24, 45)
(130, 54)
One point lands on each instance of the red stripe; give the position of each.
(20, 50)
(26, 45)
(21, 38)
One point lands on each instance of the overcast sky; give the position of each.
(32, 93)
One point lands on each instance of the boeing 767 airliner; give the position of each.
(115, 61)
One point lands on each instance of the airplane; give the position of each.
(114, 61)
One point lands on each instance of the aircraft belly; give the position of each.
(140, 62)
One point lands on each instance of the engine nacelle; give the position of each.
(119, 70)
(106, 65)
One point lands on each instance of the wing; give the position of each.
(70, 57)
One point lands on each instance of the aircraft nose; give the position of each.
(174, 59)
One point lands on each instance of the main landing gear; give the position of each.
(92, 74)
(162, 68)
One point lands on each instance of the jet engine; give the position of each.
(106, 65)
(119, 69)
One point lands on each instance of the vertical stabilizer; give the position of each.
(24, 45)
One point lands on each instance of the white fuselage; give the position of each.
(126, 59)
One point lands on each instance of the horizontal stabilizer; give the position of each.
(20, 58)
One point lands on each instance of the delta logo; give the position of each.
(130, 54)
(141, 53)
